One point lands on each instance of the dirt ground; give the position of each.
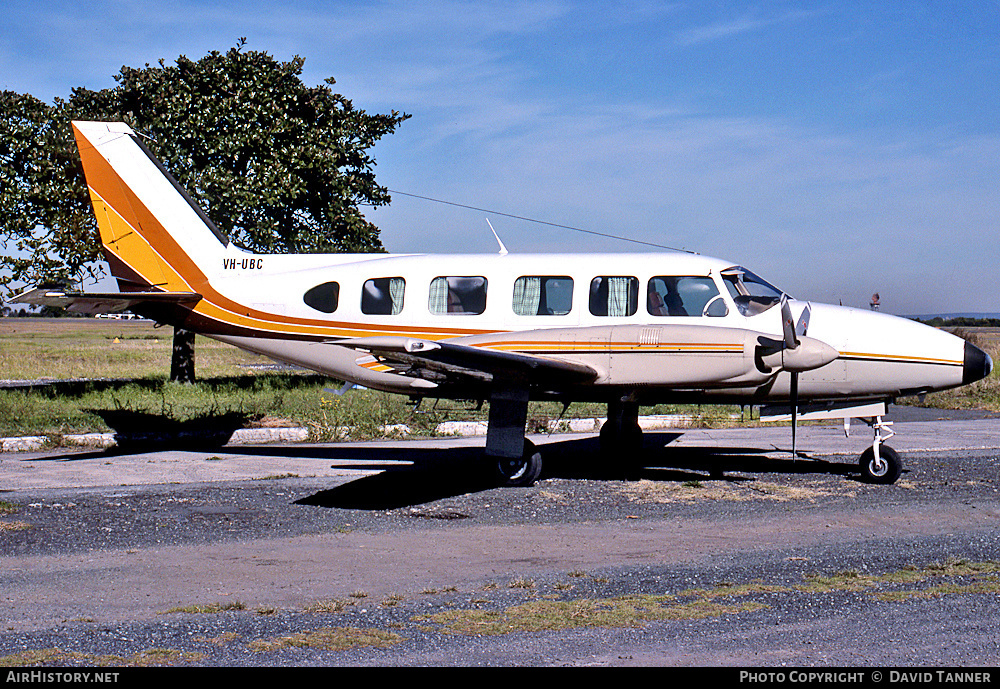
(396, 541)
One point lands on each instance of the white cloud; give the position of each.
(738, 26)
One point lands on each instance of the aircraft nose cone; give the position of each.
(977, 364)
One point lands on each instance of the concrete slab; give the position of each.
(82, 468)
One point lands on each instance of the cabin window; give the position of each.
(614, 295)
(382, 296)
(323, 297)
(543, 295)
(669, 295)
(457, 295)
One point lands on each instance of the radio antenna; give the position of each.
(503, 249)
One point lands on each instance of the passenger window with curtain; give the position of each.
(543, 295)
(457, 295)
(325, 297)
(614, 295)
(669, 295)
(382, 296)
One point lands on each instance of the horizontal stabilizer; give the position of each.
(101, 302)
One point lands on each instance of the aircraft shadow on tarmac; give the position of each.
(409, 474)
(416, 476)
(141, 431)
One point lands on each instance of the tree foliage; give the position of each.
(279, 166)
(46, 222)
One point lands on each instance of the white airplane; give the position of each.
(621, 329)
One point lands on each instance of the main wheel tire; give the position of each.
(523, 471)
(885, 473)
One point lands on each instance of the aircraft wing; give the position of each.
(101, 302)
(473, 362)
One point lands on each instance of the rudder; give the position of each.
(153, 234)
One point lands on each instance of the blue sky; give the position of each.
(835, 148)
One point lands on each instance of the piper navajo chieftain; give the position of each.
(621, 329)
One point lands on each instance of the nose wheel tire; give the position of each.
(520, 471)
(884, 471)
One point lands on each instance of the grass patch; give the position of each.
(983, 575)
(63, 348)
(14, 526)
(329, 639)
(549, 615)
(265, 400)
(991, 586)
(208, 609)
(721, 600)
(330, 606)
(57, 657)
(662, 492)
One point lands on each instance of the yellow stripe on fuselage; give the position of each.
(900, 358)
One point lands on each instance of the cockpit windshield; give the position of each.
(752, 294)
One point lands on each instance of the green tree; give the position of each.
(44, 206)
(279, 166)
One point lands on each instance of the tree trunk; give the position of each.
(182, 360)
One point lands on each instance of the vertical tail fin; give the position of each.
(153, 234)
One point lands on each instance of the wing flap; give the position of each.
(476, 362)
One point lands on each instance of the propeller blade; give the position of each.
(803, 324)
(788, 324)
(795, 407)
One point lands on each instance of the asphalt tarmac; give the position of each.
(727, 552)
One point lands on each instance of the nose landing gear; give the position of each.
(880, 463)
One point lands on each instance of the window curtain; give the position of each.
(437, 300)
(396, 287)
(527, 295)
(618, 296)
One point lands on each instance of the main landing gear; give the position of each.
(518, 462)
